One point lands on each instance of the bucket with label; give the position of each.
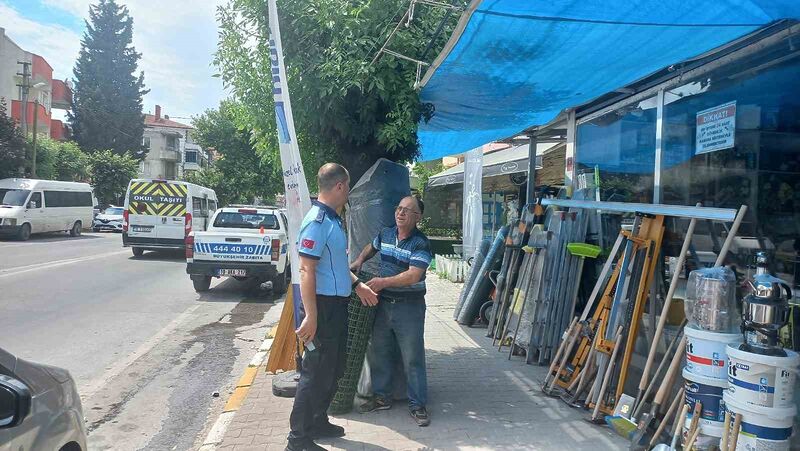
(706, 353)
(709, 436)
(762, 427)
(762, 380)
(708, 391)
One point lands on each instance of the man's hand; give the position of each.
(307, 330)
(367, 295)
(377, 284)
(356, 266)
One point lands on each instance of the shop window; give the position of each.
(733, 137)
(621, 146)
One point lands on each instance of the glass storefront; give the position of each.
(729, 137)
(621, 145)
(733, 137)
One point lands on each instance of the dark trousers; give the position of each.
(399, 324)
(321, 368)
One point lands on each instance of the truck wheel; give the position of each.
(24, 232)
(137, 251)
(76, 229)
(281, 282)
(201, 283)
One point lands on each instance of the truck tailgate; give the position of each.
(216, 246)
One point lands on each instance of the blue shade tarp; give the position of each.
(519, 63)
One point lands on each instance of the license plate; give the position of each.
(147, 229)
(232, 272)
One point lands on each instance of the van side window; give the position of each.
(212, 205)
(199, 207)
(67, 199)
(36, 200)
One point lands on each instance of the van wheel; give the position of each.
(281, 282)
(76, 229)
(137, 251)
(201, 283)
(24, 232)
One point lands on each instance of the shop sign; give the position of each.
(716, 128)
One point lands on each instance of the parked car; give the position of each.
(30, 206)
(39, 407)
(159, 214)
(110, 219)
(241, 242)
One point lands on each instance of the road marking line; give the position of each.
(217, 432)
(38, 266)
(94, 386)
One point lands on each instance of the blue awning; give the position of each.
(517, 64)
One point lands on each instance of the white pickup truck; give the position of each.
(242, 242)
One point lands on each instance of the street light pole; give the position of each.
(25, 88)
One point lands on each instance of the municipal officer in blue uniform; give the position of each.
(325, 285)
(400, 318)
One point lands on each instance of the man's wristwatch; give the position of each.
(355, 284)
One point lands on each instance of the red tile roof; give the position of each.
(150, 121)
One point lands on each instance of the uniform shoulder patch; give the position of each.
(320, 215)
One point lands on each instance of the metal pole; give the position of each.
(35, 133)
(530, 195)
(25, 87)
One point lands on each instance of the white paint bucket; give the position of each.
(706, 352)
(762, 380)
(708, 392)
(762, 427)
(709, 437)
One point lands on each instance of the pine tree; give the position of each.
(107, 101)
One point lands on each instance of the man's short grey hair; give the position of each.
(330, 174)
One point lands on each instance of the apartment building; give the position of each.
(172, 152)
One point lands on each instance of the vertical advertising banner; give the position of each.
(298, 201)
(472, 213)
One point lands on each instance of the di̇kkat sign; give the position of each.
(716, 128)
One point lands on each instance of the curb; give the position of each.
(217, 432)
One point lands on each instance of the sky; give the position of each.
(177, 39)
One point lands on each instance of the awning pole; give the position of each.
(530, 197)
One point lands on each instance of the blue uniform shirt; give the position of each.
(322, 238)
(397, 255)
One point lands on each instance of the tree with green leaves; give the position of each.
(61, 160)
(107, 99)
(240, 174)
(111, 174)
(346, 107)
(12, 145)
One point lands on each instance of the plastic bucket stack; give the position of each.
(761, 388)
(706, 379)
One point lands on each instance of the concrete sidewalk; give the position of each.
(478, 400)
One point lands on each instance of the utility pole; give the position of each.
(35, 133)
(25, 89)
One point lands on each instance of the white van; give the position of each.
(160, 214)
(37, 206)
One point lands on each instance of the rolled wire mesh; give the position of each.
(360, 320)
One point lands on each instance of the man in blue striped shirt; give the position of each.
(400, 318)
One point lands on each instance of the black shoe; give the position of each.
(326, 430)
(303, 445)
(374, 405)
(420, 415)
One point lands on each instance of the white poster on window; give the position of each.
(716, 128)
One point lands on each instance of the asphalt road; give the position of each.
(147, 352)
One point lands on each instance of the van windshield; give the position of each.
(234, 220)
(13, 197)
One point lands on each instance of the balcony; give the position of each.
(61, 95)
(43, 118)
(169, 155)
